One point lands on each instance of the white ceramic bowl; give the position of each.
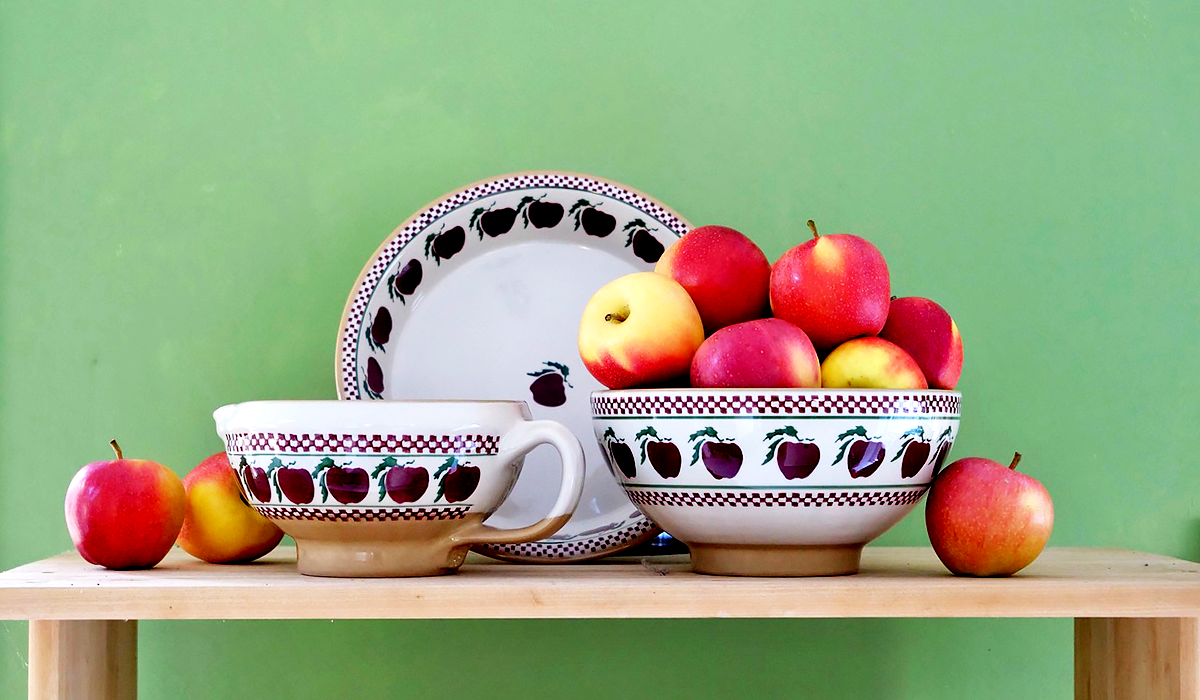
(775, 482)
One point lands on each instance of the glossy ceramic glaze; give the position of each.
(392, 488)
(775, 481)
(478, 296)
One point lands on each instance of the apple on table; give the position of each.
(219, 526)
(987, 519)
(124, 513)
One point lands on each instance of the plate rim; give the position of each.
(343, 340)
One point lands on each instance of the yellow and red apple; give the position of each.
(834, 287)
(871, 363)
(987, 519)
(726, 274)
(640, 329)
(220, 527)
(764, 353)
(924, 329)
(124, 513)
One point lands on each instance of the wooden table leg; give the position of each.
(1122, 658)
(83, 659)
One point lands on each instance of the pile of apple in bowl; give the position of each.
(774, 417)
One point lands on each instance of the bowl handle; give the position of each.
(522, 438)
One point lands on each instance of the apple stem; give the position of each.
(116, 448)
(812, 225)
(618, 317)
(1016, 460)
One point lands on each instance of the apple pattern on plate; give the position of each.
(478, 296)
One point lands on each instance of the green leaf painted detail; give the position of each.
(644, 436)
(522, 209)
(576, 210)
(906, 439)
(320, 471)
(779, 435)
(845, 439)
(449, 464)
(554, 368)
(273, 468)
(698, 436)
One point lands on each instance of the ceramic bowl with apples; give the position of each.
(778, 417)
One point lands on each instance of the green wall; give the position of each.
(188, 191)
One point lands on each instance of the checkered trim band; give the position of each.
(768, 499)
(573, 549)
(799, 403)
(348, 376)
(286, 443)
(362, 514)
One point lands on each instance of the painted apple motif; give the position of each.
(381, 329)
(539, 214)
(405, 282)
(402, 482)
(243, 470)
(258, 480)
(722, 458)
(797, 457)
(458, 480)
(645, 245)
(444, 244)
(620, 454)
(346, 484)
(594, 222)
(373, 383)
(663, 455)
(549, 387)
(295, 484)
(914, 452)
(493, 222)
(863, 454)
(945, 442)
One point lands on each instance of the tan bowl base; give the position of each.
(377, 549)
(775, 560)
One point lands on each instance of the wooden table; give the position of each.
(1137, 616)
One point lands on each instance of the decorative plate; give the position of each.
(478, 296)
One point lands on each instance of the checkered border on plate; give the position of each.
(348, 343)
(574, 549)
(337, 443)
(362, 514)
(852, 404)
(768, 499)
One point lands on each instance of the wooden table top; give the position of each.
(893, 582)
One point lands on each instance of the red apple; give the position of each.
(219, 526)
(833, 287)
(986, 519)
(124, 513)
(926, 331)
(767, 352)
(871, 363)
(640, 329)
(725, 273)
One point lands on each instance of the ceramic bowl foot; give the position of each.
(775, 560)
